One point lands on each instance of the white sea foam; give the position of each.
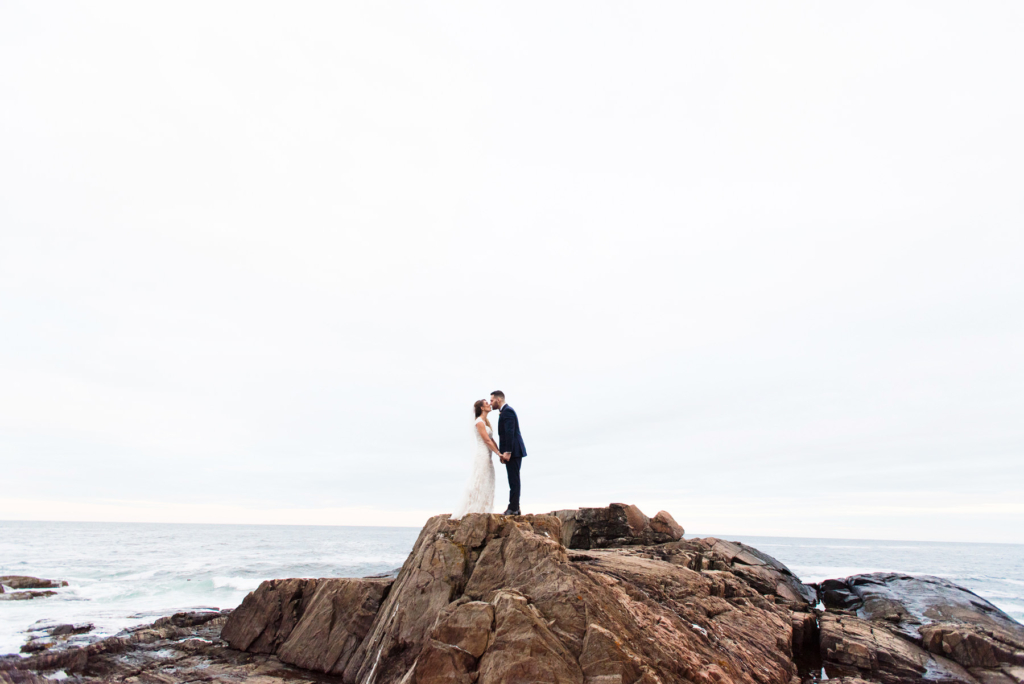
(246, 584)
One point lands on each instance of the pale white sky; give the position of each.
(759, 265)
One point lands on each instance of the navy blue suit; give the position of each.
(510, 441)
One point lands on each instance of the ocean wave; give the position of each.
(237, 583)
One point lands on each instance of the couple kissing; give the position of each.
(510, 450)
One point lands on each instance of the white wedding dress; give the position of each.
(479, 496)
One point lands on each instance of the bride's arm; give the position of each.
(487, 438)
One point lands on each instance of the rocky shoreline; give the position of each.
(589, 596)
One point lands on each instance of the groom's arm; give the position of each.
(505, 432)
(508, 435)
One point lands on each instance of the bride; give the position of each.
(479, 496)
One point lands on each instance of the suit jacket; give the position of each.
(510, 439)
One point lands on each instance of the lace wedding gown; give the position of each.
(479, 496)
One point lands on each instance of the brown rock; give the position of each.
(525, 649)
(605, 655)
(444, 664)
(335, 622)
(433, 576)
(518, 609)
(635, 518)
(467, 626)
(664, 523)
(268, 615)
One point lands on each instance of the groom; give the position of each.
(510, 441)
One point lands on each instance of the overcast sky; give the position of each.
(761, 266)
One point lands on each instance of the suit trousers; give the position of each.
(512, 468)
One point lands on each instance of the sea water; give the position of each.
(122, 575)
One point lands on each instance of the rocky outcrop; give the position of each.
(26, 595)
(102, 658)
(493, 599)
(896, 628)
(616, 525)
(26, 582)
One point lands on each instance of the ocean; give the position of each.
(122, 574)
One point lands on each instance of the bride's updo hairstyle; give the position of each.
(478, 409)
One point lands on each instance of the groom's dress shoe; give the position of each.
(511, 512)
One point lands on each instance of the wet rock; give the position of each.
(157, 655)
(189, 619)
(68, 630)
(26, 582)
(35, 646)
(852, 647)
(943, 629)
(26, 595)
(55, 635)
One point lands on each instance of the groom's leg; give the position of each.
(512, 468)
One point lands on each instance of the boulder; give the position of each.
(615, 526)
(664, 523)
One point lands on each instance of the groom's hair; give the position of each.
(498, 393)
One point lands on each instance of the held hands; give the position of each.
(506, 457)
